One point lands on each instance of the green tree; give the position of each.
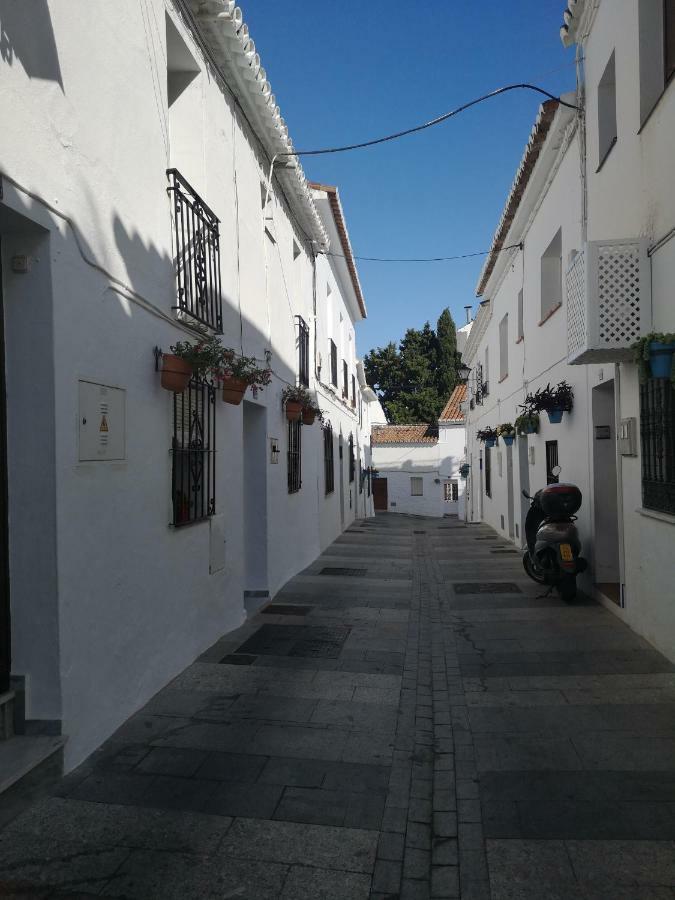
(447, 357)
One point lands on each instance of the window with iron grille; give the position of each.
(488, 473)
(450, 492)
(370, 480)
(333, 364)
(657, 434)
(193, 453)
(294, 457)
(354, 392)
(551, 461)
(351, 457)
(328, 460)
(416, 487)
(361, 477)
(669, 38)
(345, 380)
(197, 240)
(303, 352)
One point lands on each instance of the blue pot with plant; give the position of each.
(553, 400)
(507, 432)
(488, 436)
(655, 355)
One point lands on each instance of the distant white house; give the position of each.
(418, 466)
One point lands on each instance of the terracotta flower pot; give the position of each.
(293, 410)
(234, 389)
(176, 373)
(308, 415)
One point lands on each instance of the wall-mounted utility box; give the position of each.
(628, 437)
(102, 422)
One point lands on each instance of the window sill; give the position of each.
(503, 378)
(656, 514)
(550, 313)
(606, 155)
(520, 339)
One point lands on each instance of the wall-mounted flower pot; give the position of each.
(508, 439)
(490, 442)
(293, 410)
(176, 373)
(234, 390)
(661, 359)
(308, 415)
(555, 416)
(531, 429)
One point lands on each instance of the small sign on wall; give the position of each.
(602, 432)
(102, 422)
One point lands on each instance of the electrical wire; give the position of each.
(424, 259)
(437, 121)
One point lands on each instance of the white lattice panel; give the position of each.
(609, 301)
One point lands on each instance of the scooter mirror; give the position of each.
(556, 470)
(525, 494)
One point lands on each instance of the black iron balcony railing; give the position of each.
(197, 254)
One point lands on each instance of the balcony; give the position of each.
(608, 301)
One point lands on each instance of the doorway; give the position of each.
(255, 497)
(509, 487)
(524, 481)
(342, 483)
(380, 494)
(5, 624)
(605, 494)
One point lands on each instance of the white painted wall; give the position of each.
(133, 600)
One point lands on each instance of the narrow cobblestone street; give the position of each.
(424, 725)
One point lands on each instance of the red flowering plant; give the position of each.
(302, 396)
(247, 369)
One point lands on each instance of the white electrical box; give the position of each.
(102, 422)
(628, 437)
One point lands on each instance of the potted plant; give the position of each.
(241, 372)
(527, 423)
(507, 433)
(464, 470)
(299, 404)
(205, 357)
(554, 401)
(488, 436)
(657, 350)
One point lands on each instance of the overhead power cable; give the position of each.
(432, 122)
(424, 259)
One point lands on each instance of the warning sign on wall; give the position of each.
(102, 412)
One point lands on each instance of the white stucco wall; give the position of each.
(108, 601)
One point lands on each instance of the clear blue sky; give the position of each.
(349, 71)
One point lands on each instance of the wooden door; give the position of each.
(380, 499)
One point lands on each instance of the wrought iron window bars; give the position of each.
(294, 457)
(657, 433)
(197, 254)
(193, 451)
(328, 458)
(303, 351)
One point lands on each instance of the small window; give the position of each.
(416, 487)
(345, 380)
(504, 347)
(657, 433)
(486, 374)
(328, 459)
(353, 392)
(294, 457)
(450, 492)
(361, 476)
(669, 38)
(551, 461)
(303, 351)
(606, 111)
(657, 51)
(488, 472)
(551, 277)
(193, 453)
(521, 332)
(333, 364)
(351, 458)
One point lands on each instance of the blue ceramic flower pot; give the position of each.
(531, 429)
(555, 416)
(508, 439)
(490, 442)
(661, 359)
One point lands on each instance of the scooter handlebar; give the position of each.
(526, 495)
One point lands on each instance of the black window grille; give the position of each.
(370, 480)
(551, 461)
(351, 457)
(294, 457)
(479, 384)
(669, 38)
(657, 433)
(197, 254)
(345, 380)
(328, 460)
(361, 477)
(193, 450)
(303, 352)
(488, 473)
(333, 364)
(354, 392)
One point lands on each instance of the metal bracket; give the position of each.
(158, 355)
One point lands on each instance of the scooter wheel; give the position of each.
(534, 572)
(567, 588)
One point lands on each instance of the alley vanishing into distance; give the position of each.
(407, 719)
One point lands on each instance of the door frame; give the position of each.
(5, 618)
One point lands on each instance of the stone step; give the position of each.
(6, 715)
(29, 765)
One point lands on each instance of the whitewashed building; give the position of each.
(108, 591)
(418, 466)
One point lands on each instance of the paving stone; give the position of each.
(445, 881)
(232, 767)
(169, 761)
(390, 846)
(387, 876)
(303, 883)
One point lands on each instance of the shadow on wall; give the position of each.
(26, 35)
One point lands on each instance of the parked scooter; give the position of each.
(553, 550)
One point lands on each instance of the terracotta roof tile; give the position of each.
(404, 434)
(452, 411)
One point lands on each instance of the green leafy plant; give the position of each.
(301, 395)
(550, 398)
(206, 357)
(527, 423)
(246, 368)
(506, 430)
(641, 353)
(487, 434)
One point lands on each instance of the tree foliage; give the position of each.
(415, 380)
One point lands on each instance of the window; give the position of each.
(657, 433)
(606, 111)
(353, 392)
(294, 457)
(551, 461)
(197, 254)
(345, 380)
(267, 206)
(416, 487)
(303, 352)
(296, 250)
(504, 347)
(521, 332)
(361, 476)
(333, 364)
(193, 453)
(351, 457)
(451, 492)
(488, 473)
(486, 375)
(657, 51)
(551, 277)
(328, 460)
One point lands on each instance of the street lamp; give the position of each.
(463, 372)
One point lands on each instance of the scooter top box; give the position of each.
(560, 499)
